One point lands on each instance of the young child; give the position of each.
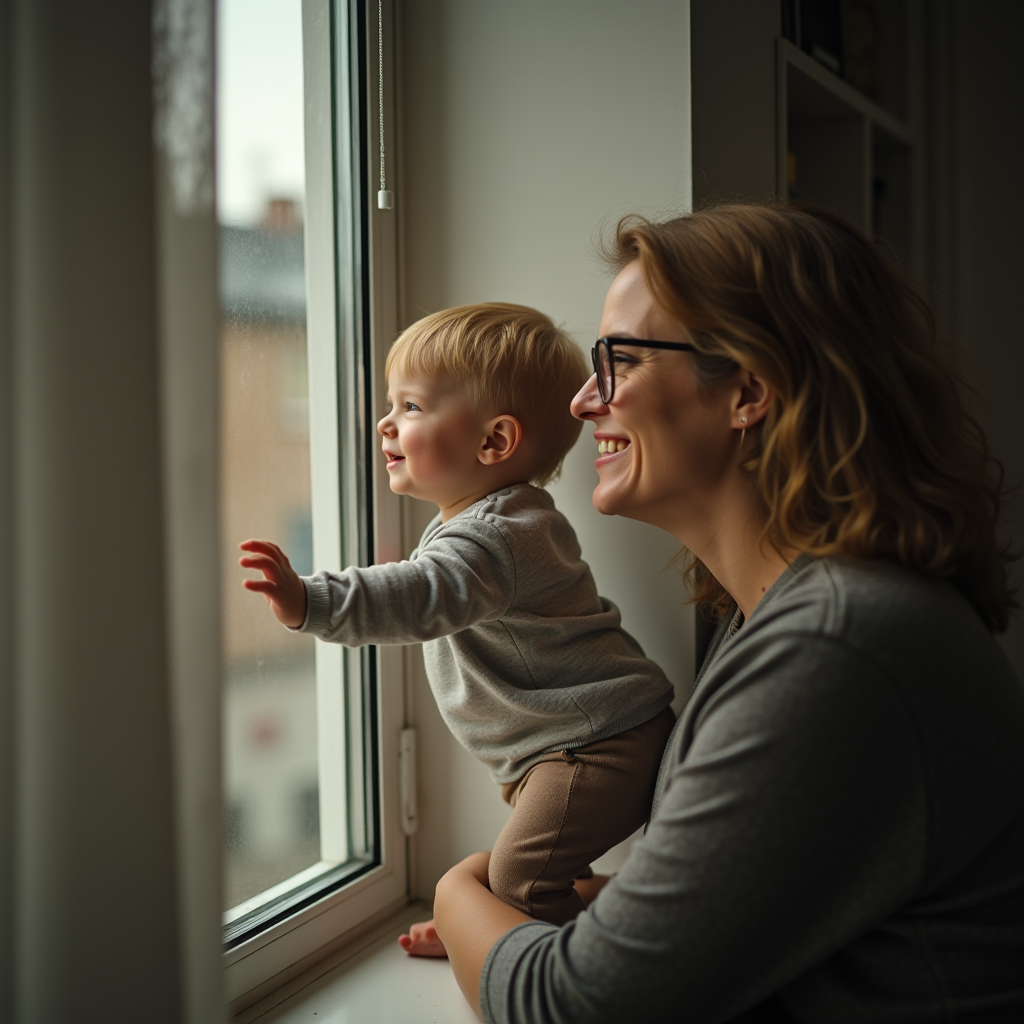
(530, 668)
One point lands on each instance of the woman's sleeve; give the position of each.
(795, 823)
(460, 579)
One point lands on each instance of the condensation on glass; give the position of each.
(272, 829)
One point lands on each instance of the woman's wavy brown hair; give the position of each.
(868, 450)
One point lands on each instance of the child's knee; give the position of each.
(523, 885)
(507, 879)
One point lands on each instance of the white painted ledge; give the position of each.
(375, 981)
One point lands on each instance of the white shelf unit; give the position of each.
(851, 154)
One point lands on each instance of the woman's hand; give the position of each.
(469, 919)
(281, 585)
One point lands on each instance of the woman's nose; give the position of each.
(587, 402)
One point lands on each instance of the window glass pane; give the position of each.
(272, 827)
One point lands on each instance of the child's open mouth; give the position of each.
(394, 460)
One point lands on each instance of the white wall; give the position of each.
(528, 127)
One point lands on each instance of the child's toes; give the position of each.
(435, 948)
(423, 940)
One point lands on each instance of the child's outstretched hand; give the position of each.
(281, 586)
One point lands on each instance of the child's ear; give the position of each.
(504, 434)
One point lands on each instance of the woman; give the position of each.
(838, 828)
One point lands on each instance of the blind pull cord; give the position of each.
(385, 200)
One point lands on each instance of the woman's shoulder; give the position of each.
(849, 598)
(874, 627)
(892, 664)
(867, 627)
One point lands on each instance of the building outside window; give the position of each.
(310, 730)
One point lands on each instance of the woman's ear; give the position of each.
(752, 402)
(504, 435)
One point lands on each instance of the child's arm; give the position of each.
(281, 586)
(447, 587)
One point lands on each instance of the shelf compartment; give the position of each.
(850, 154)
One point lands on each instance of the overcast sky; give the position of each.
(259, 116)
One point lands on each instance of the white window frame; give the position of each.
(336, 225)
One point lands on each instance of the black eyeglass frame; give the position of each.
(678, 346)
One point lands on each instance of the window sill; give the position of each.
(369, 980)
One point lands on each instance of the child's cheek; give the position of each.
(422, 454)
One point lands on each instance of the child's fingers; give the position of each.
(270, 568)
(259, 562)
(261, 586)
(278, 551)
(266, 547)
(263, 547)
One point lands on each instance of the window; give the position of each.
(270, 693)
(312, 842)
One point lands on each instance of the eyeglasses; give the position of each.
(604, 360)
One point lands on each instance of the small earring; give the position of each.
(743, 432)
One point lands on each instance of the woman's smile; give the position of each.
(608, 446)
(656, 417)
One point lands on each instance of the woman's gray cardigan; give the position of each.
(839, 825)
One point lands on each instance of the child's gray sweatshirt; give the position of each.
(522, 654)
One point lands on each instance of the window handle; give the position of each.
(407, 780)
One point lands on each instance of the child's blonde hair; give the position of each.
(512, 359)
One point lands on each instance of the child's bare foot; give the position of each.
(422, 940)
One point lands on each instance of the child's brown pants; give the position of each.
(570, 809)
